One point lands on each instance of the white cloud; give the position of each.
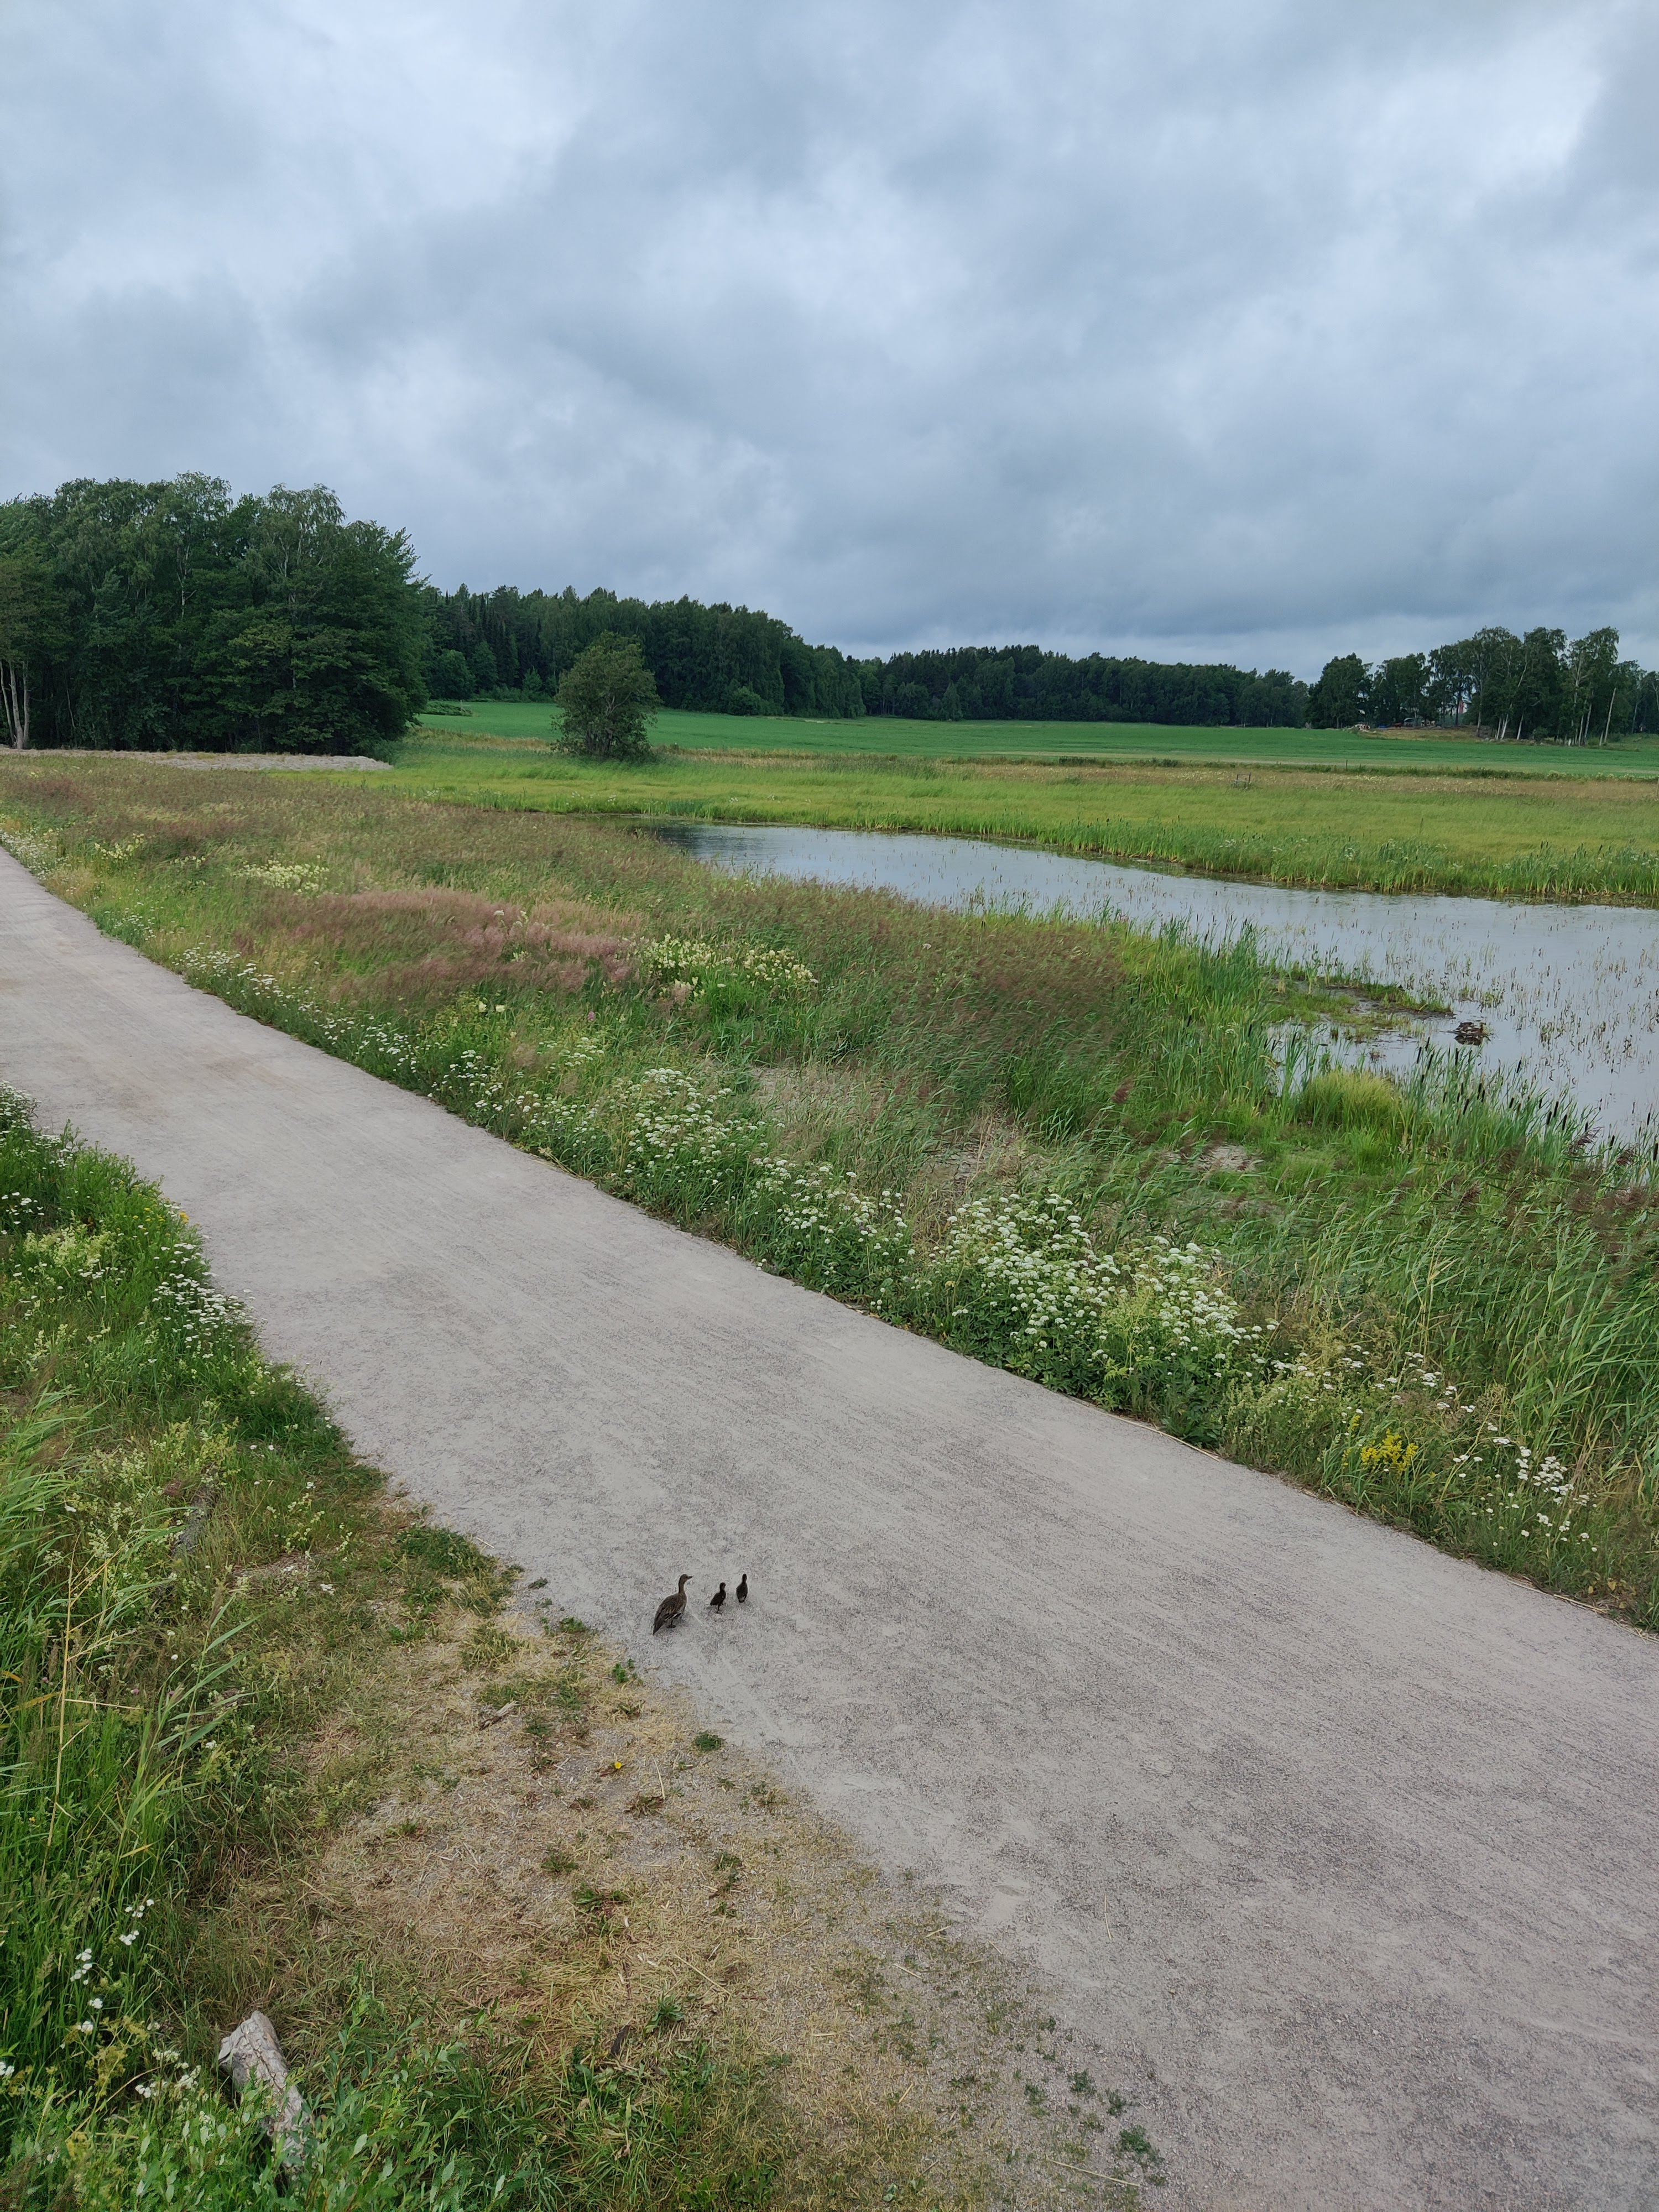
(1226, 327)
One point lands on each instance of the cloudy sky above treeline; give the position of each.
(1243, 329)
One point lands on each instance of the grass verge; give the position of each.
(535, 1939)
(1064, 1149)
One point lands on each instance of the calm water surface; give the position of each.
(1570, 994)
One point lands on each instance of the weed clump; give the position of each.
(454, 1557)
(1352, 1098)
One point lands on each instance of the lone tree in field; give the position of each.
(605, 700)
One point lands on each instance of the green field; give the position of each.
(1523, 835)
(1432, 752)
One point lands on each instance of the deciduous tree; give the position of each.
(606, 700)
(182, 618)
(32, 629)
(1341, 696)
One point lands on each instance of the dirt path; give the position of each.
(353, 762)
(1347, 1855)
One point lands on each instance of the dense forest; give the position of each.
(729, 660)
(1023, 683)
(1503, 686)
(155, 615)
(721, 659)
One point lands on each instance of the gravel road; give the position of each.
(1346, 1854)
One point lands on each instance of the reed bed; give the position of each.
(1124, 1165)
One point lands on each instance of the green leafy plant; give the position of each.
(605, 700)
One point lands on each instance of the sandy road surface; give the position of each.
(1345, 1854)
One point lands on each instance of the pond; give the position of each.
(1568, 994)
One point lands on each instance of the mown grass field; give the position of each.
(1064, 1149)
(535, 1940)
(1529, 836)
(1416, 752)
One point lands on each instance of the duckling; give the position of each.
(743, 1589)
(671, 1607)
(718, 1600)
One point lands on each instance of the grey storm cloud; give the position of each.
(1221, 327)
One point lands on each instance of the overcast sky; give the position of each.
(1212, 327)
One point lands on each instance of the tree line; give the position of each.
(725, 659)
(153, 615)
(733, 661)
(719, 660)
(159, 615)
(1025, 684)
(1539, 687)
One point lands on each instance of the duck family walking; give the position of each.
(673, 1606)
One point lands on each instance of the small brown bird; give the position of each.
(743, 1590)
(671, 1607)
(718, 1600)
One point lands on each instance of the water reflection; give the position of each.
(1568, 994)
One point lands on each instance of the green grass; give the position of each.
(1433, 751)
(979, 1126)
(1527, 835)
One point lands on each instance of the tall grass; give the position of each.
(990, 1129)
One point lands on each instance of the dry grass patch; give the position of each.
(812, 1105)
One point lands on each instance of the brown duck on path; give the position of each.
(671, 1607)
(718, 1600)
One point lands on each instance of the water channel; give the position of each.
(1568, 994)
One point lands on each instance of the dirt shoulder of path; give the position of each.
(524, 1841)
(210, 760)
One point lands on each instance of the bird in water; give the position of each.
(743, 1589)
(671, 1607)
(718, 1600)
